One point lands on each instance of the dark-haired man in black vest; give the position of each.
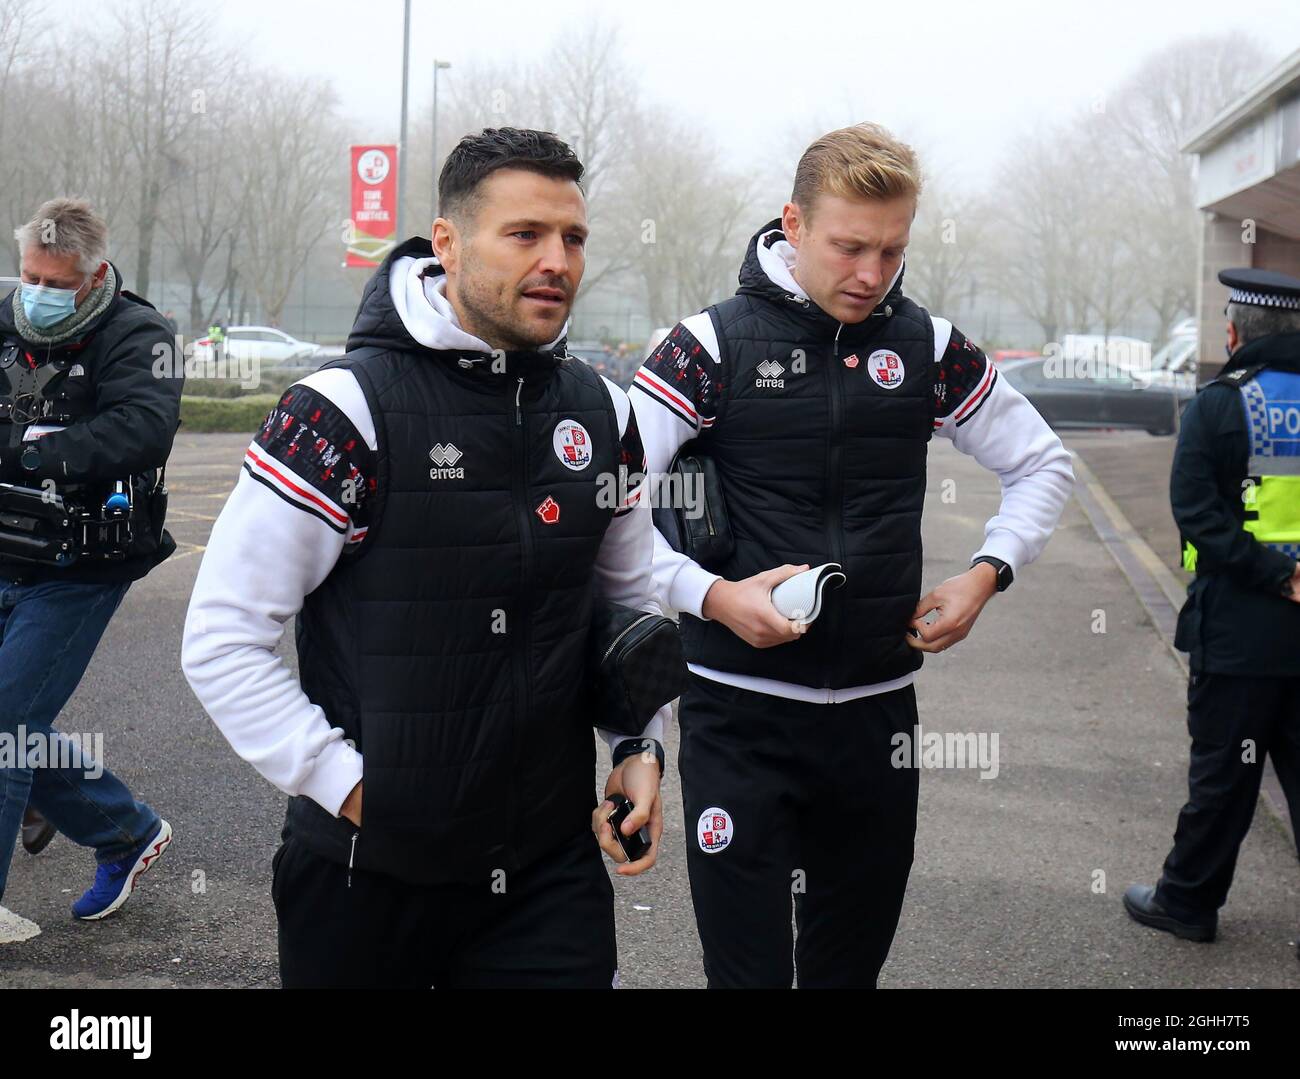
(436, 509)
(816, 390)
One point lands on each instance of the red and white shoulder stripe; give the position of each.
(671, 397)
(977, 398)
(964, 377)
(294, 489)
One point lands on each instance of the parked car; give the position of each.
(1176, 362)
(265, 344)
(1119, 399)
(1108, 351)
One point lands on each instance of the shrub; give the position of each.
(239, 414)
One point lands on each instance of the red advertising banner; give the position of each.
(374, 205)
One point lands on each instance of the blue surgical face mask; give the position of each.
(47, 306)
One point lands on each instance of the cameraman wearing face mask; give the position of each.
(89, 403)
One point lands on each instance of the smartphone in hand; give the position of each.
(636, 845)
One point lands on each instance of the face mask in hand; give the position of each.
(47, 306)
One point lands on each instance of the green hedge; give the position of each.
(239, 414)
(274, 380)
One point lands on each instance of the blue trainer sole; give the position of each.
(147, 858)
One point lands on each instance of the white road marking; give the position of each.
(15, 928)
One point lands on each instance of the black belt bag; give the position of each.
(637, 666)
(694, 521)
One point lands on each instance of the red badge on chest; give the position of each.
(548, 511)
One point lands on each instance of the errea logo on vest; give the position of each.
(444, 458)
(769, 375)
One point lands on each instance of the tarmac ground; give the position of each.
(1017, 878)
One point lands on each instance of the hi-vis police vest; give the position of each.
(1271, 488)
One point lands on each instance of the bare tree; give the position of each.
(1177, 89)
(157, 69)
(84, 148)
(203, 213)
(289, 204)
(1103, 198)
(1031, 247)
(682, 218)
(591, 99)
(947, 243)
(18, 29)
(1097, 216)
(583, 89)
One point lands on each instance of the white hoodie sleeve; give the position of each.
(990, 420)
(276, 539)
(675, 402)
(624, 563)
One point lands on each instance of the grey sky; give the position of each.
(958, 79)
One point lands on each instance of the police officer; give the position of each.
(217, 337)
(88, 409)
(1235, 491)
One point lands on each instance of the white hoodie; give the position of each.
(278, 538)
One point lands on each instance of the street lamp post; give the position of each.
(401, 140)
(438, 65)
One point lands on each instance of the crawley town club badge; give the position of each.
(572, 444)
(886, 368)
(715, 830)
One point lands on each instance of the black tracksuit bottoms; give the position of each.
(1234, 722)
(550, 924)
(788, 801)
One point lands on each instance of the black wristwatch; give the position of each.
(633, 746)
(1005, 576)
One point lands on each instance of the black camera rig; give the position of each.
(57, 527)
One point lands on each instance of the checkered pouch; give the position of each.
(637, 666)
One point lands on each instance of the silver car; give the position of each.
(265, 344)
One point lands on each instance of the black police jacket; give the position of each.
(1236, 620)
